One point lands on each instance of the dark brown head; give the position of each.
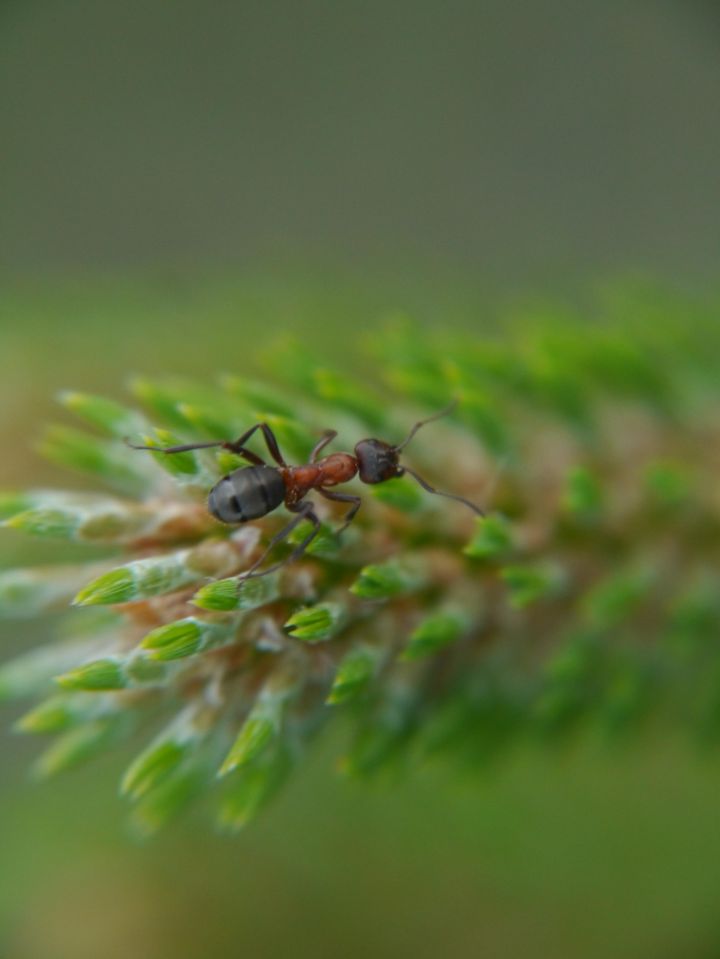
(377, 461)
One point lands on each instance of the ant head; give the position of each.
(377, 461)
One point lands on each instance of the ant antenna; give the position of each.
(413, 431)
(418, 479)
(431, 489)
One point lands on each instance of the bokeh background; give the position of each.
(182, 181)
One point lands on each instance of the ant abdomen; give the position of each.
(247, 493)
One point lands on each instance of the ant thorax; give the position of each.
(329, 471)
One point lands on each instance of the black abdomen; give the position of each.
(247, 493)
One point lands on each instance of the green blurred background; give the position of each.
(180, 181)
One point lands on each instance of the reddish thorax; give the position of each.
(329, 471)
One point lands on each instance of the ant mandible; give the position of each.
(254, 491)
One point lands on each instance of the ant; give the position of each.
(254, 491)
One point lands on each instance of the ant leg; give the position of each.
(431, 489)
(234, 446)
(430, 419)
(304, 511)
(175, 449)
(188, 447)
(326, 438)
(343, 498)
(237, 446)
(250, 456)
